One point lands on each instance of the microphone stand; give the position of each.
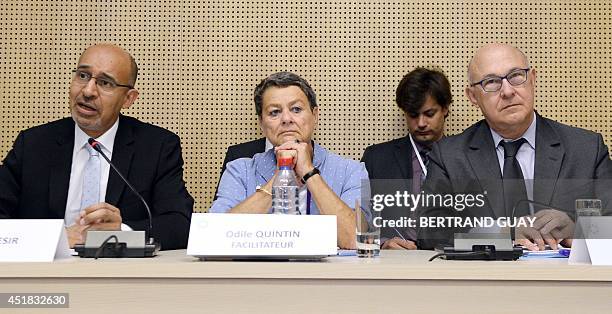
(126, 243)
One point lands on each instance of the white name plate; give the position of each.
(592, 243)
(262, 235)
(33, 240)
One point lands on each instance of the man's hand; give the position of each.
(76, 234)
(399, 244)
(101, 216)
(302, 160)
(531, 239)
(554, 223)
(550, 227)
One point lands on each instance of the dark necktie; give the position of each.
(425, 157)
(513, 180)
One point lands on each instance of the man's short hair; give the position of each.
(133, 70)
(415, 86)
(283, 79)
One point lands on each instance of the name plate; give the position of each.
(33, 240)
(592, 242)
(262, 235)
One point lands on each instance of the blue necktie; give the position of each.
(91, 179)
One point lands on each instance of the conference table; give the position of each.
(394, 282)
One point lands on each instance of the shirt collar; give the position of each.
(107, 139)
(268, 145)
(529, 135)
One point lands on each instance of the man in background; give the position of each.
(401, 164)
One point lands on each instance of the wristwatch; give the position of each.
(310, 174)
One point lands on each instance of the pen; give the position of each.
(399, 233)
(565, 252)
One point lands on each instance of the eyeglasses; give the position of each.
(494, 83)
(103, 83)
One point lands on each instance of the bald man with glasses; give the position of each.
(52, 171)
(524, 164)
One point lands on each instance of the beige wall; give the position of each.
(201, 60)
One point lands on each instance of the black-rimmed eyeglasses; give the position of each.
(491, 84)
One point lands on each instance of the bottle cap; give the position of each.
(285, 161)
(286, 153)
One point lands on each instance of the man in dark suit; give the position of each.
(424, 96)
(515, 154)
(51, 172)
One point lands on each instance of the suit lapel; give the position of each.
(123, 153)
(60, 169)
(403, 156)
(548, 160)
(483, 160)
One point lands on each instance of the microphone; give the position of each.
(96, 145)
(118, 243)
(479, 246)
(485, 246)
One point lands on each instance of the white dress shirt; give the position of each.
(80, 155)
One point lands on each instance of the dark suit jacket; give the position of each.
(389, 168)
(570, 163)
(389, 160)
(242, 150)
(35, 176)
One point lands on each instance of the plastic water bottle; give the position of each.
(285, 192)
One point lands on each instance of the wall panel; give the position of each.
(200, 61)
